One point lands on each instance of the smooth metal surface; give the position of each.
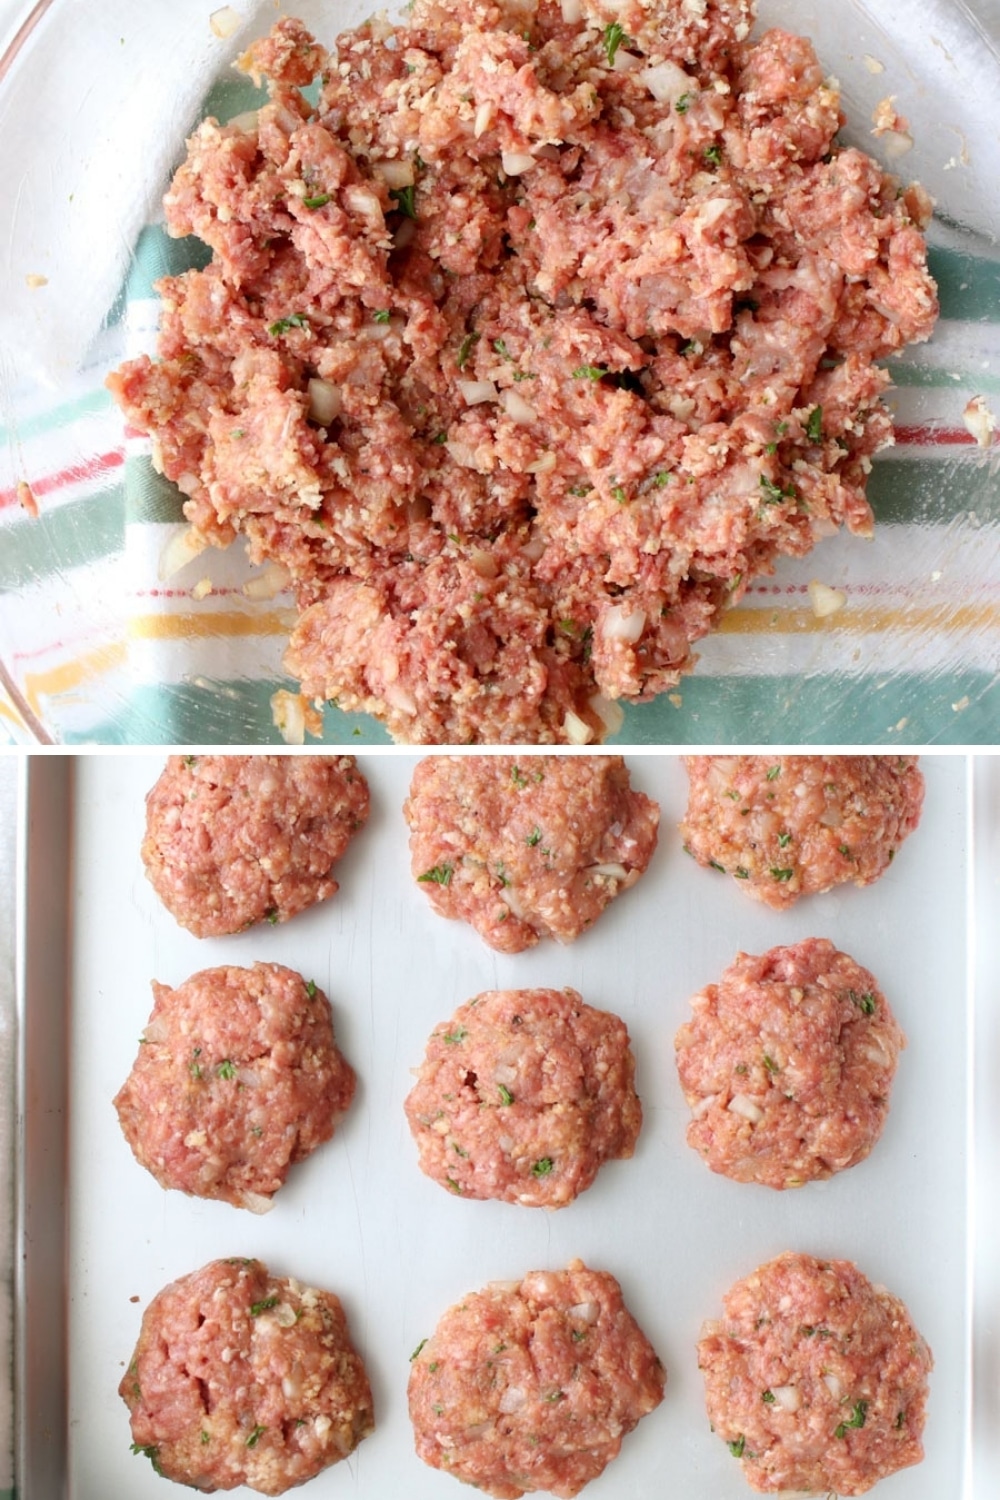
(40, 1349)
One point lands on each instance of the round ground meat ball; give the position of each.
(529, 848)
(532, 1385)
(238, 1076)
(523, 1095)
(232, 840)
(786, 826)
(787, 1065)
(241, 1377)
(816, 1379)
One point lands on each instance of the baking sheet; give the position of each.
(359, 1217)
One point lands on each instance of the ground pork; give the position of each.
(241, 1377)
(815, 1378)
(527, 849)
(785, 826)
(524, 350)
(232, 840)
(787, 1065)
(237, 1077)
(523, 1095)
(532, 1385)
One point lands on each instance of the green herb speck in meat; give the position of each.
(856, 1419)
(256, 1308)
(439, 875)
(150, 1451)
(506, 1097)
(226, 1068)
(255, 1436)
(614, 36)
(542, 1167)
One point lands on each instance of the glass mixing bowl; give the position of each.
(105, 637)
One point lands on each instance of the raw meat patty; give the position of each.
(241, 1377)
(523, 1095)
(532, 1386)
(236, 839)
(816, 1379)
(238, 1076)
(787, 1065)
(786, 826)
(527, 849)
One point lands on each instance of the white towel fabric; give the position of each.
(70, 210)
(8, 804)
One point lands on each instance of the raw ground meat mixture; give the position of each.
(787, 1065)
(238, 1077)
(232, 840)
(523, 1095)
(533, 1385)
(785, 826)
(530, 848)
(815, 1378)
(545, 332)
(241, 1377)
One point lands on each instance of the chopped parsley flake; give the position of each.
(774, 773)
(295, 320)
(770, 1064)
(814, 426)
(417, 1350)
(439, 875)
(737, 1446)
(466, 347)
(683, 104)
(150, 1451)
(319, 201)
(382, 316)
(256, 1308)
(774, 493)
(543, 1167)
(456, 1187)
(458, 1035)
(856, 1419)
(865, 1003)
(206, 1437)
(614, 35)
(741, 873)
(534, 837)
(271, 915)
(784, 839)
(589, 372)
(255, 1436)
(713, 155)
(311, 988)
(403, 198)
(506, 1097)
(518, 777)
(781, 874)
(768, 1398)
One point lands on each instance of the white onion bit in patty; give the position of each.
(517, 408)
(475, 391)
(325, 401)
(225, 22)
(620, 624)
(739, 1104)
(516, 162)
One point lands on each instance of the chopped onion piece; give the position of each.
(484, 563)
(395, 174)
(834, 1386)
(183, 547)
(225, 22)
(572, 12)
(667, 82)
(268, 584)
(475, 391)
(825, 600)
(612, 870)
(542, 465)
(980, 421)
(517, 408)
(512, 1399)
(620, 624)
(246, 122)
(626, 62)
(896, 143)
(788, 1397)
(516, 162)
(484, 118)
(577, 732)
(610, 713)
(325, 401)
(256, 1202)
(586, 1311)
(288, 714)
(739, 1104)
